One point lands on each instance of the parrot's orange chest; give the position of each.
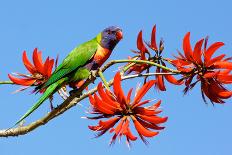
(102, 54)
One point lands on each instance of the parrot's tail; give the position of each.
(49, 91)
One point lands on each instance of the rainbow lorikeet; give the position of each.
(78, 64)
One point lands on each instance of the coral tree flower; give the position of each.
(212, 72)
(120, 110)
(39, 72)
(141, 54)
(145, 54)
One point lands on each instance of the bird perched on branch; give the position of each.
(78, 65)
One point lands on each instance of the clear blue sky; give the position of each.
(58, 26)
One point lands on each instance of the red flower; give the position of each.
(120, 110)
(213, 73)
(141, 54)
(39, 72)
(157, 58)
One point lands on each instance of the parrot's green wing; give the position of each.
(76, 59)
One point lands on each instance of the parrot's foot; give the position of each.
(93, 75)
(74, 91)
(63, 93)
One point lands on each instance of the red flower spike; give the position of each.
(213, 73)
(39, 71)
(145, 54)
(139, 68)
(108, 105)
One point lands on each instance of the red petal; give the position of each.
(45, 68)
(210, 74)
(37, 60)
(173, 80)
(219, 91)
(144, 131)
(226, 79)
(23, 82)
(144, 111)
(153, 38)
(109, 123)
(218, 58)
(130, 135)
(197, 51)
(126, 131)
(50, 66)
(102, 106)
(155, 106)
(141, 103)
(119, 127)
(211, 50)
(180, 62)
(142, 92)
(141, 46)
(118, 89)
(223, 65)
(153, 119)
(92, 101)
(213, 98)
(150, 125)
(160, 81)
(106, 98)
(105, 125)
(28, 64)
(187, 47)
(128, 99)
(225, 94)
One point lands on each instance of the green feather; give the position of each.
(70, 70)
(76, 59)
(49, 91)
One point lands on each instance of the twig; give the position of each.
(67, 104)
(6, 82)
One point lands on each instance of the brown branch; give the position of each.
(67, 104)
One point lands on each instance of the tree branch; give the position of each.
(67, 104)
(6, 82)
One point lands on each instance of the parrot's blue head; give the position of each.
(110, 37)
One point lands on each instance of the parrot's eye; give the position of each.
(109, 32)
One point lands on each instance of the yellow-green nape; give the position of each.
(99, 36)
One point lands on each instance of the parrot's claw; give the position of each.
(74, 91)
(63, 93)
(93, 74)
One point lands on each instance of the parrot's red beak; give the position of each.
(119, 35)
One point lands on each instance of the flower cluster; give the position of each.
(145, 54)
(39, 72)
(212, 72)
(121, 110)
